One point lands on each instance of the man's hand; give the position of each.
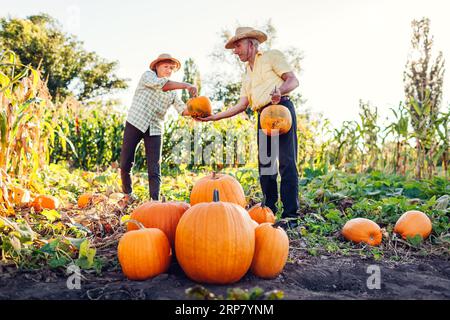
(212, 117)
(192, 89)
(276, 96)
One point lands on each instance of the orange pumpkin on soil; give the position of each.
(199, 107)
(144, 253)
(362, 230)
(159, 214)
(229, 188)
(215, 242)
(45, 202)
(260, 213)
(275, 120)
(413, 223)
(271, 251)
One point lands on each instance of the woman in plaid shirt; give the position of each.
(152, 98)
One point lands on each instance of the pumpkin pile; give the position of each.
(214, 238)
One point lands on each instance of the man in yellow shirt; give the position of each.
(268, 80)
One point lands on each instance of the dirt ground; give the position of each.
(323, 277)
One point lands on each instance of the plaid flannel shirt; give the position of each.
(150, 104)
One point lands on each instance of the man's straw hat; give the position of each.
(162, 57)
(246, 32)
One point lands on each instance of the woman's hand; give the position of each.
(192, 89)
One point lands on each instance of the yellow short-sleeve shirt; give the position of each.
(258, 84)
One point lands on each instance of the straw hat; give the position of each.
(162, 57)
(246, 32)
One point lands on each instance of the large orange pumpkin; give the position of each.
(215, 242)
(362, 230)
(275, 120)
(229, 188)
(45, 202)
(260, 213)
(413, 223)
(144, 253)
(199, 106)
(159, 214)
(271, 251)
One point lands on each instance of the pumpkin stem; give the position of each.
(216, 195)
(138, 223)
(263, 202)
(163, 199)
(214, 175)
(279, 223)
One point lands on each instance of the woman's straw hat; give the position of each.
(162, 57)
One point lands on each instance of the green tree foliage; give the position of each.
(191, 75)
(68, 68)
(423, 79)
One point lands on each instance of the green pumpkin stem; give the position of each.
(216, 195)
(263, 202)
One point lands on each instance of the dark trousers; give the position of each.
(131, 137)
(283, 148)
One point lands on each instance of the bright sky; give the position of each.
(353, 49)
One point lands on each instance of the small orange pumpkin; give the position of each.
(215, 242)
(144, 253)
(159, 214)
(362, 230)
(199, 106)
(20, 196)
(87, 199)
(260, 213)
(229, 188)
(275, 120)
(413, 223)
(271, 251)
(45, 202)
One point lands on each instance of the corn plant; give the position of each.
(368, 130)
(27, 124)
(399, 128)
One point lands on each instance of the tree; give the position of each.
(191, 75)
(226, 80)
(68, 68)
(423, 80)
